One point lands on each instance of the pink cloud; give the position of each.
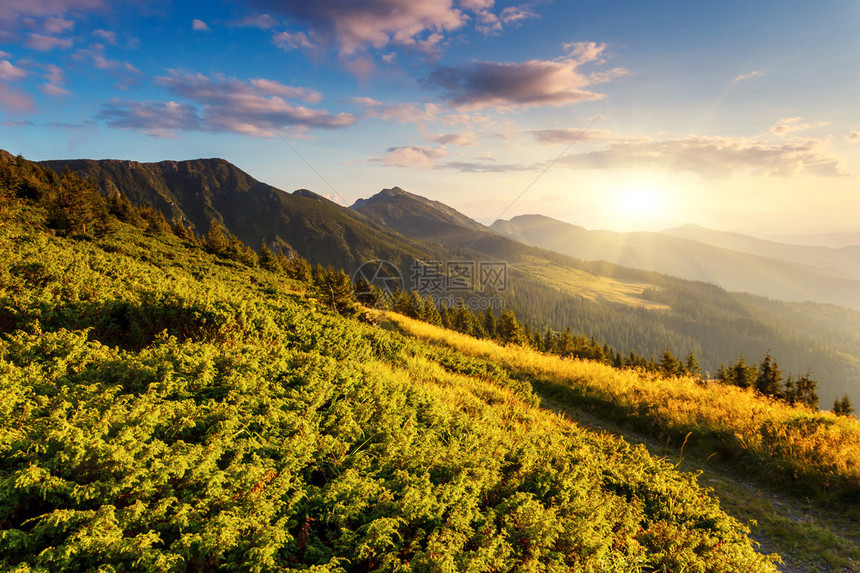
(15, 9)
(466, 139)
(8, 71)
(158, 119)
(45, 43)
(252, 108)
(94, 55)
(513, 85)
(106, 35)
(354, 26)
(55, 81)
(412, 156)
(273, 88)
(584, 52)
(199, 25)
(293, 41)
(57, 25)
(15, 100)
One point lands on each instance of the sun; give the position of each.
(639, 202)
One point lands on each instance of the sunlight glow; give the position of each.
(641, 204)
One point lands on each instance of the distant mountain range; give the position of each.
(628, 308)
(733, 261)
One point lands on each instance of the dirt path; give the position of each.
(807, 537)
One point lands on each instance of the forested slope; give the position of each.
(167, 409)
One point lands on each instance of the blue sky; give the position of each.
(734, 115)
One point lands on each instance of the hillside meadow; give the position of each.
(164, 409)
(812, 452)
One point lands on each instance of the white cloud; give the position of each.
(412, 156)
(57, 25)
(554, 136)
(714, 157)
(748, 76)
(786, 125)
(262, 21)
(273, 88)
(10, 72)
(293, 41)
(45, 43)
(94, 55)
(199, 25)
(55, 80)
(465, 139)
(106, 35)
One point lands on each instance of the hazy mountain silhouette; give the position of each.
(733, 261)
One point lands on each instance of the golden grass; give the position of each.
(814, 450)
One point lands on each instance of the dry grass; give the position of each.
(814, 451)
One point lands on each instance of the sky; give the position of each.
(621, 115)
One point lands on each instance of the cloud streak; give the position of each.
(44, 43)
(787, 125)
(527, 84)
(411, 156)
(714, 157)
(554, 136)
(251, 108)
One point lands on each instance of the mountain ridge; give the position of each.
(775, 276)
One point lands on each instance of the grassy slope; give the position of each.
(163, 410)
(757, 455)
(814, 452)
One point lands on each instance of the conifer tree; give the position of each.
(669, 365)
(216, 240)
(267, 258)
(182, 231)
(691, 364)
(843, 406)
(508, 329)
(490, 323)
(738, 374)
(334, 289)
(432, 311)
(769, 379)
(548, 342)
(76, 208)
(121, 208)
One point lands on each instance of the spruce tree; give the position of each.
(216, 240)
(75, 207)
(691, 365)
(267, 258)
(843, 406)
(490, 323)
(669, 365)
(769, 379)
